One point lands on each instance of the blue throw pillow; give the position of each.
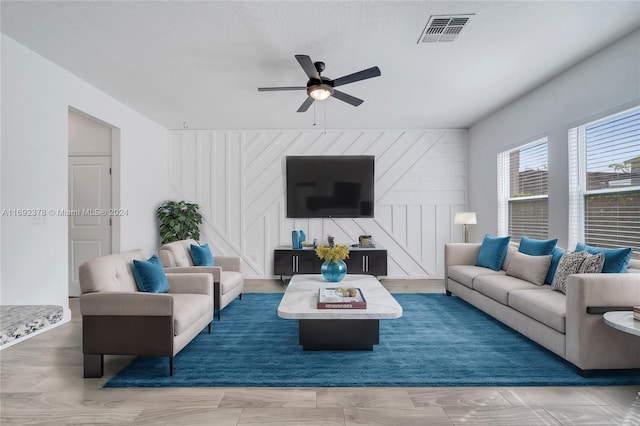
(201, 255)
(150, 276)
(615, 260)
(556, 254)
(536, 247)
(493, 251)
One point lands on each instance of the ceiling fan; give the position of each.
(320, 88)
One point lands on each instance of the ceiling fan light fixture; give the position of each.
(319, 92)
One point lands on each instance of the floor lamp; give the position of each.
(464, 219)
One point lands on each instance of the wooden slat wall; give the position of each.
(238, 179)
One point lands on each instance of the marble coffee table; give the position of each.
(337, 329)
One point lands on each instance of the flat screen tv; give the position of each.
(330, 186)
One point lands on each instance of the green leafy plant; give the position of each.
(179, 220)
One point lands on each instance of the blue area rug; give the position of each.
(439, 341)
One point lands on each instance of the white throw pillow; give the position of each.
(529, 268)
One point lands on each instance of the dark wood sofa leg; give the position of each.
(216, 299)
(93, 365)
(447, 292)
(171, 366)
(209, 328)
(240, 296)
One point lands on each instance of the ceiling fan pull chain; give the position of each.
(325, 118)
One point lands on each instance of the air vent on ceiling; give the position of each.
(444, 28)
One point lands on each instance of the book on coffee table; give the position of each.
(341, 298)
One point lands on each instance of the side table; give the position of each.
(623, 321)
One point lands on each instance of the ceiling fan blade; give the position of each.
(306, 104)
(307, 65)
(275, 89)
(357, 76)
(347, 98)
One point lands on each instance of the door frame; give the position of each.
(115, 181)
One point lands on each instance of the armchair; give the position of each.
(228, 282)
(117, 319)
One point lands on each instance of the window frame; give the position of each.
(505, 199)
(578, 180)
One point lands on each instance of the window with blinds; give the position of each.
(523, 207)
(604, 178)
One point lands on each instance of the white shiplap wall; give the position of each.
(238, 179)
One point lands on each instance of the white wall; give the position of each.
(608, 81)
(36, 96)
(237, 177)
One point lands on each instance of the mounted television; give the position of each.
(330, 186)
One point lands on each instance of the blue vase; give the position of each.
(333, 272)
(297, 237)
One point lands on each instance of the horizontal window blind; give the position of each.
(528, 171)
(613, 152)
(529, 217)
(523, 191)
(613, 220)
(604, 170)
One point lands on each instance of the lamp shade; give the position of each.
(465, 218)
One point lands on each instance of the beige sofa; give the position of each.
(228, 282)
(570, 326)
(117, 319)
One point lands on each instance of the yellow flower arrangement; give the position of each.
(332, 254)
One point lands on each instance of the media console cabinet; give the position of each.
(288, 262)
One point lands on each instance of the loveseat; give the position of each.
(228, 282)
(118, 319)
(569, 325)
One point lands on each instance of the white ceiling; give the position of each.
(202, 62)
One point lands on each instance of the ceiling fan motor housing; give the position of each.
(323, 80)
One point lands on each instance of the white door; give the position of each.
(89, 220)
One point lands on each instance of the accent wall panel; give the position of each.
(238, 179)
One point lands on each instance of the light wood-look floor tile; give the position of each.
(450, 397)
(364, 397)
(292, 416)
(548, 396)
(168, 398)
(625, 396)
(189, 416)
(61, 417)
(268, 398)
(432, 416)
(500, 416)
(595, 415)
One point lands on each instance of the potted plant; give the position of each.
(333, 268)
(179, 220)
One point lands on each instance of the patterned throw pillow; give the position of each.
(592, 264)
(569, 264)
